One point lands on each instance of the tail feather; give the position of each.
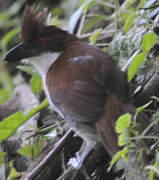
(106, 124)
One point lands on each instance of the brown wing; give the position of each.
(80, 81)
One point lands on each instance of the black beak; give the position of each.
(16, 54)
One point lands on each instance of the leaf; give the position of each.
(28, 69)
(139, 109)
(127, 4)
(34, 150)
(3, 17)
(134, 66)
(2, 157)
(36, 84)
(152, 172)
(129, 22)
(8, 36)
(4, 96)
(13, 174)
(142, 3)
(9, 125)
(37, 147)
(6, 83)
(123, 122)
(148, 41)
(54, 22)
(26, 151)
(122, 139)
(88, 5)
(117, 156)
(95, 35)
(93, 21)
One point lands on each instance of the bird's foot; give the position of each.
(76, 162)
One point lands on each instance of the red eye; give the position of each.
(42, 41)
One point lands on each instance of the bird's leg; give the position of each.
(78, 160)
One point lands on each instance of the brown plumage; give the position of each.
(32, 23)
(84, 83)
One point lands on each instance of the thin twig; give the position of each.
(105, 3)
(116, 14)
(101, 44)
(69, 172)
(150, 167)
(126, 66)
(150, 126)
(82, 36)
(58, 147)
(157, 5)
(144, 137)
(81, 24)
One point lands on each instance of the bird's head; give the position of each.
(38, 38)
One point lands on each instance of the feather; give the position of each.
(32, 23)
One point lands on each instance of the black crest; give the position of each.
(32, 23)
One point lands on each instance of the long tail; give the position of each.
(106, 124)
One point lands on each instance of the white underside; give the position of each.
(42, 64)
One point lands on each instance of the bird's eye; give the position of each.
(42, 41)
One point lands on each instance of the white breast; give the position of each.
(42, 64)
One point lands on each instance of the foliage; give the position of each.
(123, 128)
(35, 82)
(34, 150)
(118, 155)
(2, 157)
(149, 40)
(95, 35)
(128, 16)
(129, 22)
(10, 124)
(13, 172)
(6, 87)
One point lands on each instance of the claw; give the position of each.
(75, 162)
(78, 160)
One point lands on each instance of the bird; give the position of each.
(83, 84)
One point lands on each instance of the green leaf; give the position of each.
(54, 23)
(95, 35)
(13, 174)
(28, 69)
(124, 121)
(127, 4)
(117, 156)
(93, 21)
(129, 22)
(142, 3)
(6, 83)
(148, 41)
(134, 66)
(152, 171)
(26, 151)
(37, 147)
(3, 17)
(88, 5)
(4, 96)
(2, 157)
(9, 125)
(36, 84)
(139, 109)
(8, 36)
(32, 150)
(122, 140)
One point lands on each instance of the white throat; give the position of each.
(42, 64)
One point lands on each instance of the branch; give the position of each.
(58, 147)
